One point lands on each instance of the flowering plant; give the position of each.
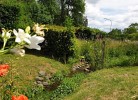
(4, 69)
(23, 38)
(21, 97)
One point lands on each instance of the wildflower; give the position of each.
(21, 36)
(21, 97)
(18, 51)
(35, 40)
(4, 69)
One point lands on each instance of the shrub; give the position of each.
(85, 33)
(89, 33)
(59, 44)
(133, 36)
(8, 16)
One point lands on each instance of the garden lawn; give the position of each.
(109, 84)
(23, 70)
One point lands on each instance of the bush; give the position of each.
(89, 33)
(59, 44)
(133, 36)
(85, 33)
(8, 16)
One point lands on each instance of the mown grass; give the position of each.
(109, 84)
(25, 69)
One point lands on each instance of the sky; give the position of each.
(109, 14)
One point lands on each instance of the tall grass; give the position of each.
(115, 53)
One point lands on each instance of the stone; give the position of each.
(39, 82)
(45, 83)
(41, 85)
(39, 78)
(48, 76)
(42, 73)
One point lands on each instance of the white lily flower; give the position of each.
(35, 40)
(6, 34)
(18, 51)
(39, 30)
(21, 36)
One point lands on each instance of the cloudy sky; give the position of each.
(121, 13)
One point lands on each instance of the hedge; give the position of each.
(59, 44)
(8, 16)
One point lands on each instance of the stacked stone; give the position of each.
(42, 79)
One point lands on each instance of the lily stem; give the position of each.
(4, 44)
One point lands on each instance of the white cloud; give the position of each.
(93, 1)
(121, 13)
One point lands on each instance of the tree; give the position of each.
(116, 34)
(77, 8)
(74, 9)
(135, 25)
(133, 28)
(52, 7)
(40, 13)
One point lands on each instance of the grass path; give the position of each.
(109, 84)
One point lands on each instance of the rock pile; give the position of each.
(82, 66)
(42, 79)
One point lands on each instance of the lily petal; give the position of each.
(3, 34)
(8, 34)
(35, 40)
(15, 32)
(27, 40)
(18, 40)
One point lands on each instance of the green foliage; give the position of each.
(16, 17)
(35, 92)
(116, 34)
(39, 13)
(59, 44)
(130, 30)
(89, 33)
(57, 77)
(68, 85)
(92, 51)
(52, 7)
(123, 55)
(77, 10)
(133, 36)
(74, 9)
(8, 15)
(25, 16)
(114, 83)
(102, 55)
(68, 23)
